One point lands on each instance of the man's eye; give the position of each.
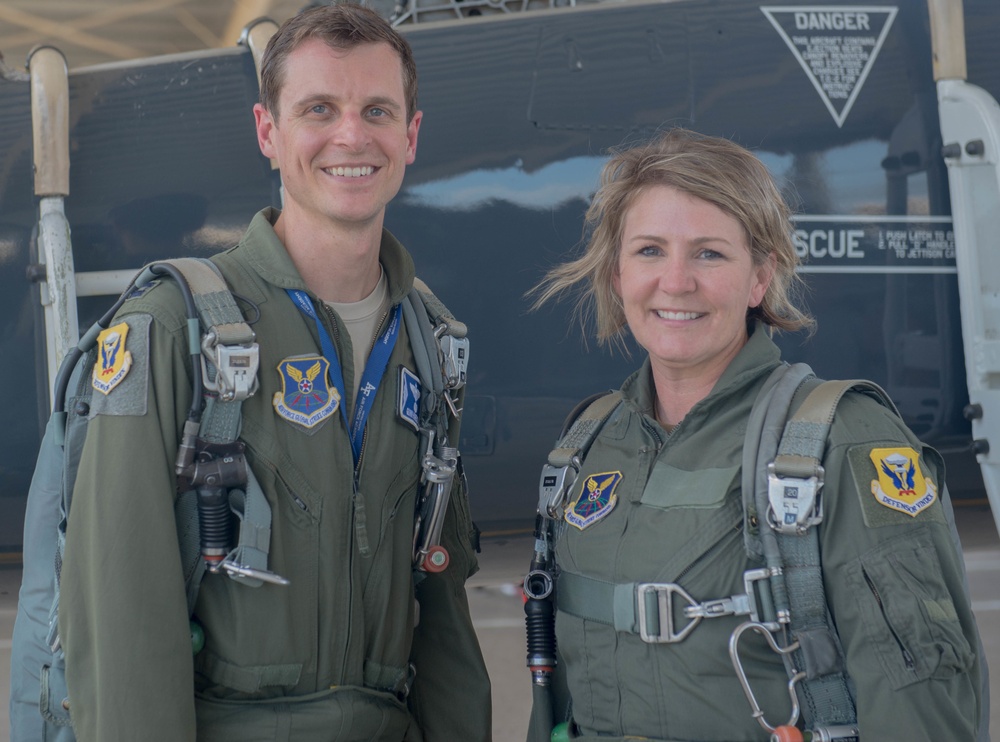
(319, 108)
(377, 112)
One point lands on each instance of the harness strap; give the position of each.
(581, 435)
(223, 333)
(826, 691)
(221, 317)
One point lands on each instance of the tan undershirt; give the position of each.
(361, 319)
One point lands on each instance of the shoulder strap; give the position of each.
(441, 353)
(565, 459)
(224, 345)
(787, 482)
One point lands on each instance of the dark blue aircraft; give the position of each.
(888, 150)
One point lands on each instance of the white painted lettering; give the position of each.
(832, 21)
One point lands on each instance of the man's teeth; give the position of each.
(676, 315)
(351, 172)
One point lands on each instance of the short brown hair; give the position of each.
(342, 26)
(709, 168)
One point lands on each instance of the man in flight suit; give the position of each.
(351, 649)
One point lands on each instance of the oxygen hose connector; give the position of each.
(539, 620)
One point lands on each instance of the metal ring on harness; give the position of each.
(757, 713)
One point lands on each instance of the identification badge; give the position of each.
(306, 397)
(113, 361)
(409, 398)
(596, 499)
(900, 484)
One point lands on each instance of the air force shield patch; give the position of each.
(113, 361)
(596, 499)
(306, 397)
(900, 484)
(409, 398)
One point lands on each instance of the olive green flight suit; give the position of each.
(327, 657)
(894, 581)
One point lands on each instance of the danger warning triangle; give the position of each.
(836, 46)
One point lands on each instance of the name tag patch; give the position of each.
(597, 499)
(901, 485)
(306, 397)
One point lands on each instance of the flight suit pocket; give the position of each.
(670, 487)
(54, 701)
(908, 613)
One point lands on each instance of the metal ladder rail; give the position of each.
(970, 130)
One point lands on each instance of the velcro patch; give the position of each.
(892, 485)
(120, 375)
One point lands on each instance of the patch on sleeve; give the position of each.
(891, 481)
(120, 373)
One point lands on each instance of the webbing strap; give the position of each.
(438, 311)
(219, 313)
(825, 692)
(608, 603)
(220, 423)
(584, 430)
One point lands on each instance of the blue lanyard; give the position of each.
(378, 360)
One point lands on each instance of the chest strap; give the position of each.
(659, 612)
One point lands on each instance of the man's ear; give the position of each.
(265, 131)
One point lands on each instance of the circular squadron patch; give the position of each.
(900, 484)
(596, 499)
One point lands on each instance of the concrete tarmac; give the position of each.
(495, 600)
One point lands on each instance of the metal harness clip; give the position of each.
(662, 629)
(236, 367)
(795, 503)
(554, 486)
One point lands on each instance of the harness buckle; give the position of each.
(554, 487)
(455, 354)
(664, 631)
(235, 368)
(795, 502)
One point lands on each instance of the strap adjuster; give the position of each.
(795, 502)
(554, 487)
(665, 631)
(235, 368)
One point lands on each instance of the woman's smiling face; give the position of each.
(686, 280)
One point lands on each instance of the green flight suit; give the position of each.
(894, 581)
(327, 657)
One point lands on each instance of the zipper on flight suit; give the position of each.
(907, 657)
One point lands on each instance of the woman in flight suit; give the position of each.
(691, 251)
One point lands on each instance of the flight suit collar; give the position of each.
(758, 357)
(269, 258)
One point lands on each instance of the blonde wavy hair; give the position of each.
(710, 168)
